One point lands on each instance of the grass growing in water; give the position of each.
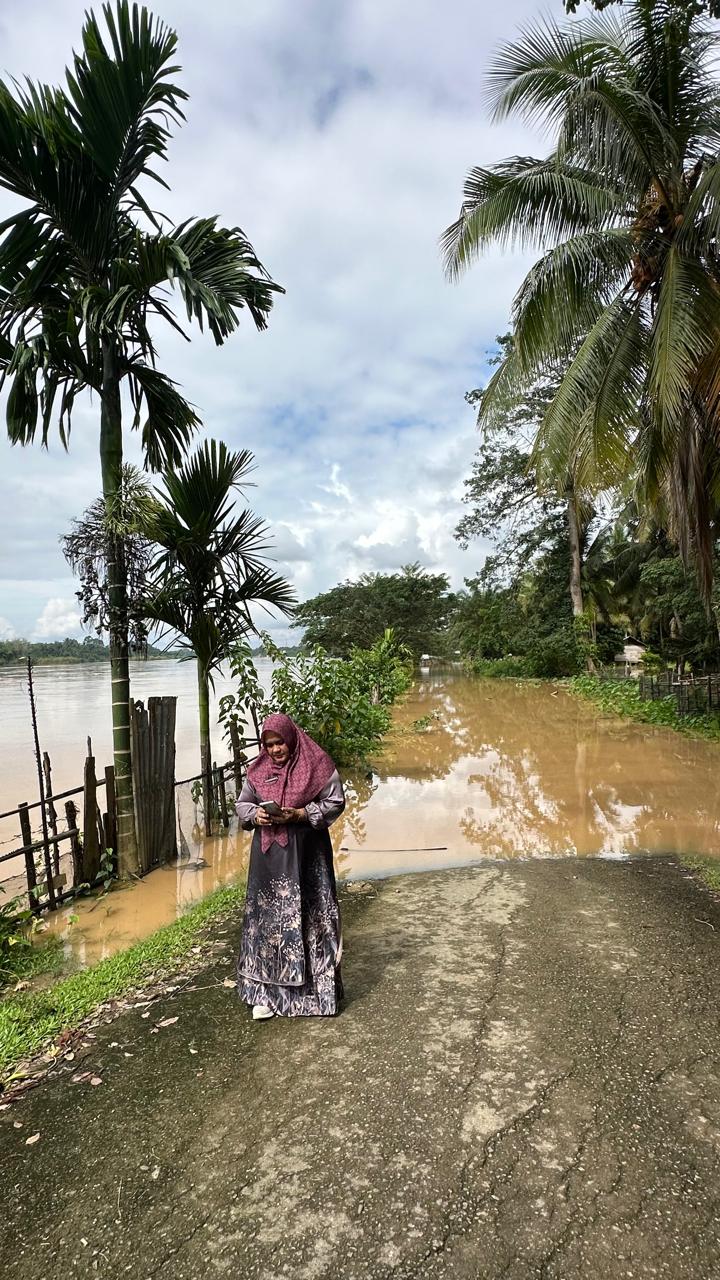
(622, 697)
(30, 1021)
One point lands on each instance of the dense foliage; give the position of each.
(416, 604)
(344, 705)
(625, 212)
(515, 616)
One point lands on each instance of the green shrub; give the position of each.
(343, 703)
(508, 667)
(555, 655)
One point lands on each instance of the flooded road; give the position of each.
(500, 770)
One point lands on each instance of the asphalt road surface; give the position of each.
(523, 1083)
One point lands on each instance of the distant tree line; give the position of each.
(91, 649)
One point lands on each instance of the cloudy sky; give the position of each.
(336, 133)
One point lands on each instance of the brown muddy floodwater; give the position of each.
(504, 770)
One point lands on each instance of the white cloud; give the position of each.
(7, 631)
(338, 137)
(59, 618)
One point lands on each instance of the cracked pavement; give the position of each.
(524, 1083)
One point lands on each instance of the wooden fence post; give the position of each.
(239, 757)
(153, 755)
(51, 812)
(219, 778)
(30, 873)
(110, 815)
(91, 845)
(76, 852)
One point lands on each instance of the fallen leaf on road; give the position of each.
(17, 1124)
(194, 1051)
(96, 1080)
(145, 1015)
(155, 1173)
(29, 1142)
(167, 1022)
(70, 1057)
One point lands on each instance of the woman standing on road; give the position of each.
(291, 946)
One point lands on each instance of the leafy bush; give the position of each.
(502, 667)
(342, 703)
(555, 655)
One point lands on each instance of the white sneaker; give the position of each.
(261, 1011)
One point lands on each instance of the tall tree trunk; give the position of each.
(574, 538)
(111, 456)
(575, 554)
(205, 753)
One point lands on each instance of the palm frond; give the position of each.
(686, 326)
(122, 96)
(563, 295)
(170, 422)
(591, 421)
(523, 202)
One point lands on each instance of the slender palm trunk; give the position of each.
(205, 754)
(576, 596)
(111, 463)
(575, 540)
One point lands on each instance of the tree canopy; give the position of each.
(414, 603)
(625, 211)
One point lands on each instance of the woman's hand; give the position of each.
(295, 815)
(263, 818)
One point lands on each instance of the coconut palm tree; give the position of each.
(85, 270)
(210, 570)
(626, 297)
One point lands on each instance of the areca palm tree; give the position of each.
(626, 294)
(86, 267)
(210, 570)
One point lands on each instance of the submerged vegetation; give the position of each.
(622, 698)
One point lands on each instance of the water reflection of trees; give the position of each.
(359, 787)
(551, 777)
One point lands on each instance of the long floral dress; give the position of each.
(291, 940)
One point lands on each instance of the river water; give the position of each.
(503, 770)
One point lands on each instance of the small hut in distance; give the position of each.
(631, 657)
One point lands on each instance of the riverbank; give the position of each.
(30, 1020)
(622, 698)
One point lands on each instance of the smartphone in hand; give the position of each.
(271, 807)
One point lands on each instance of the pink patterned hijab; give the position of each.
(294, 784)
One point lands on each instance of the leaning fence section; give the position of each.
(68, 839)
(59, 858)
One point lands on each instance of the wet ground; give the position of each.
(500, 769)
(523, 1084)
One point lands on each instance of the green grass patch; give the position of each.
(30, 1021)
(707, 870)
(26, 960)
(622, 698)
